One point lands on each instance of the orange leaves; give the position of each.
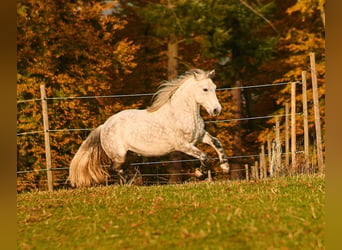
(299, 43)
(64, 79)
(304, 33)
(306, 7)
(123, 53)
(73, 48)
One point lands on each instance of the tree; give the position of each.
(85, 48)
(240, 38)
(303, 32)
(229, 39)
(71, 47)
(173, 29)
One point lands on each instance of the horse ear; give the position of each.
(211, 74)
(195, 74)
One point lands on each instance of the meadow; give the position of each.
(274, 213)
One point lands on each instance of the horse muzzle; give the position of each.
(215, 111)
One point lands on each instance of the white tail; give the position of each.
(86, 166)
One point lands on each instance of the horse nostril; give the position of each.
(217, 111)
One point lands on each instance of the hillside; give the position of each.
(282, 213)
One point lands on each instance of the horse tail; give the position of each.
(86, 166)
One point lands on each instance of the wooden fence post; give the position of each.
(305, 123)
(287, 133)
(269, 154)
(247, 174)
(253, 172)
(293, 127)
(273, 165)
(278, 147)
(316, 112)
(46, 137)
(263, 170)
(260, 167)
(209, 176)
(256, 171)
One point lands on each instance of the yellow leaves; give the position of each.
(108, 5)
(124, 53)
(305, 36)
(22, 10)
(298, 43)
(307, 7)
(302, 40)
(64, 79)
(107, 36)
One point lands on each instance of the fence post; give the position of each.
(46, 137)
(287, 144)
(247, 174)
(263, 162)
(209, 176)
(278, 147)
(273, 165)
(261, 172)
(269, 151)
(293, 127)
(253, 172)
(317, 115)
(305, 121)
(256, 170)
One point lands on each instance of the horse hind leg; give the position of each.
(117, 154)
(117, 166)
(202, 171)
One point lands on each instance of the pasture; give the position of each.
(275, 213)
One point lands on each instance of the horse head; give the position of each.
(205, 92)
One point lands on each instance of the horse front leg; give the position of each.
(217, 145)
(193, 151)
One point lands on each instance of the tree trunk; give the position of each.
(172, 55)
(237, 103)
(172, 65)
(247, 94)
(322, 10)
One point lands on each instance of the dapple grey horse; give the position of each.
(171, 123)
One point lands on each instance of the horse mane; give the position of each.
(167, 89)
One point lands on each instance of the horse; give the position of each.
(172, 123)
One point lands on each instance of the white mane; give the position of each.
(167, 89)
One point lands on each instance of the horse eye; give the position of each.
(205, 89)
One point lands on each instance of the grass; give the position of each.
(281, 213)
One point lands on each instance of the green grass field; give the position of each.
(281, 213)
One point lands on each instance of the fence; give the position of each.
(263, 168)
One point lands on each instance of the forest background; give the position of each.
(100, 48)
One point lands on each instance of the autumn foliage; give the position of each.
(100, 48)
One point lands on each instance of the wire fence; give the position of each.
(207, 122)
(160, 162)
(148, 94)
(146, 163)
(151, 94)
(159, 177)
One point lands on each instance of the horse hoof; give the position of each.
(198, 173)
(225, 167)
